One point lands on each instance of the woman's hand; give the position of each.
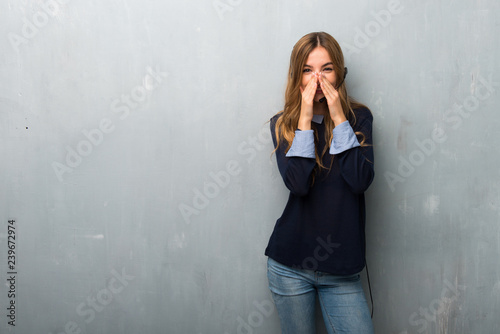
(333, 100)
(306, 110)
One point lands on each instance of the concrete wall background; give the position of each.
(136, 161)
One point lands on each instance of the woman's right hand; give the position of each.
(306, 110)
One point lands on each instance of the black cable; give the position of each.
(369, 286)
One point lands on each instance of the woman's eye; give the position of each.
(328, 69)
(307, 70)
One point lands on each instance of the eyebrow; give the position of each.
(330, 63)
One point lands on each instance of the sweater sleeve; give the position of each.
(302, 145)
(343, 138)
(296, 171)
(356, 164)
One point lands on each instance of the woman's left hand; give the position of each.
(333, 100)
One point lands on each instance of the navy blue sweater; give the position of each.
(323, 225)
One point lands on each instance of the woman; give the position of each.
(323, 146)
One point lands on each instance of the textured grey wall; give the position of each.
(136, 161)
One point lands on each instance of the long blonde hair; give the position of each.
(288, 121)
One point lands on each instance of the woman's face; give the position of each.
(318, 62)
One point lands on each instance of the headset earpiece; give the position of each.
(345, 74)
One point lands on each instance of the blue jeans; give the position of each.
(342, 300)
